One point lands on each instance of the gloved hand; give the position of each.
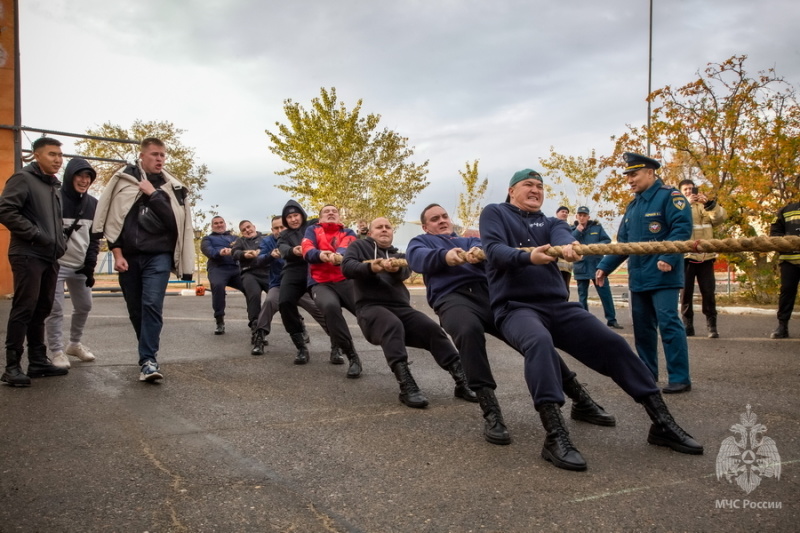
(89, 273)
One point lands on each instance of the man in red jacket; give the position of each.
(323, 246)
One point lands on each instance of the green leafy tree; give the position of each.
(469, 202)
(339, 157)
(738, 137)
(180, 158)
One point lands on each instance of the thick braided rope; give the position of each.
(755, 244)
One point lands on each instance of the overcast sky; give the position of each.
(500, 81)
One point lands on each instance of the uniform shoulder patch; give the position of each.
(679, 202)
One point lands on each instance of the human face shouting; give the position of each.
(437, 221)
(329, 215)
(528, 195)
(153, 157)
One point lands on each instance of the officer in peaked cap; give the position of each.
(658, 212)
(634, 162)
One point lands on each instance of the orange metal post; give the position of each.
(8, 66)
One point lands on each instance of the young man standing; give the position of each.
(30, 207)
(146, 217)
(76, 269)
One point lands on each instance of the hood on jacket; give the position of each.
(292, 207)
(75, 165)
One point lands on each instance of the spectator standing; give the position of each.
(787, 222)
(588, 231)
(565, 267)
(76, 266)
(30, 207)
(707, 214)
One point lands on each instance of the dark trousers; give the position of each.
(466, 316)
(34, 291)
(704, 272)
(144, 286)
(255, 282)
(331, 298)
(566, 276)
(604, 292)
(536, 330)
(220, 278)
(294, 284)
(790, 277)
(394, 328)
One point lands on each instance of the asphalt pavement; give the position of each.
(234, 442)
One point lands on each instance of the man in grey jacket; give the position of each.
(30, 207)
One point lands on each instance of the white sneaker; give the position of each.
(60, 360)
(80, 351)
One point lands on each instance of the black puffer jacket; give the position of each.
(295, 267)
(30, 207)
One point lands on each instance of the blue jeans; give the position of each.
(144, 286)
(603, 292)
(654, 311)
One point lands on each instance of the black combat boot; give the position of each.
(409, 391)
(462, 390)
(39, 366)
(711, 325)
(782, 331)
(494, 428)
(584, 408)
(665, 431)
(302, 356)
(220, 330)
(354, 370)
(14, 375)
(336, 355)
(688, 323)
(558, 448)
(259, 342)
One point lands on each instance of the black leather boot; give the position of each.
(336, 355)
(558, 448)
(220, 330)
(494, 427)
(665, 431)
(302, 356)
(354, 370)
(782, 331)
(14, 375)
(584, 408)
(462, 390)
(711, 325)
(409, 391)
(688, 323)
(39, 366)
(259, 342)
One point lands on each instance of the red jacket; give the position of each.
(325, 237)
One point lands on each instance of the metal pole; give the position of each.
(17, 97)
(649, 76)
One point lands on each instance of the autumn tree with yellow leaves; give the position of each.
(337, 156)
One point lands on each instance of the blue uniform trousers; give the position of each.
(658, 310)
(603, 292)
(219, 278)
(536, 330)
